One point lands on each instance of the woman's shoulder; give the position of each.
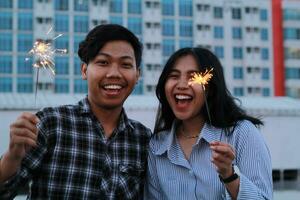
(159, 140)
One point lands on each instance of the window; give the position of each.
(218, 32)
(168, 7)
(25, 4)
(61, 85)
(266, 92)
(81, 5)
(292, 33)
(219, 51)
(25, 42)
(185, 7)
(77, 40)
(62, 42)
(289, 53)
(77, 66)
(25, 85)
(61, 23)
(138, 89)
(186, 28)
(5, 41)
(5, 64)
(263, 15)
(237, 33)
(185, 43)
(168, 27)
(25, 21)
(5, 20)
(264, 34)
(135, 25)
(264, 54)
(81, 24)
(265, 74)
(24, 66)
(116, 20)
(238, 91)
(116, 6)
(291, 14)
(292, 73)
(218, 12)
(6, 3)
(5, 84)
(62, 65)
(80, 86)
(276, 175)
(290, 174)
(168, 47)
(61, 5)
(134, 6)
(237, 52)
(236, 13)
(238, 72)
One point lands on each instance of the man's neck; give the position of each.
(108, 117)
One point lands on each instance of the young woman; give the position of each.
(198, 153)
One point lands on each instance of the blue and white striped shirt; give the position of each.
(171, 176)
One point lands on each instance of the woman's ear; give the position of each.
(84, 71)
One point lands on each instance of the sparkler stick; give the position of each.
(44, 53)
(202, 79)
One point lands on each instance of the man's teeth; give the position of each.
(112, 87)
(182, 97)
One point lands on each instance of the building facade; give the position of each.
(238, 31)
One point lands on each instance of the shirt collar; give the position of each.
(167, 138)
(124, 122)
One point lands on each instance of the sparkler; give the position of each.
(202, 79)
(44, 53)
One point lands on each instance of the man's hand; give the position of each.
(23, 136)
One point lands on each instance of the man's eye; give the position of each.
(102, 62)
(127, 65)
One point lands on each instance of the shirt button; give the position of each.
(191, 172)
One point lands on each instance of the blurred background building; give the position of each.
(257, 41)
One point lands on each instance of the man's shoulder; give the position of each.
(140, 128)
(62, 110)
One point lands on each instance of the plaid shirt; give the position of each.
(74, 160)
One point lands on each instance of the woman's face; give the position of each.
(185, 100)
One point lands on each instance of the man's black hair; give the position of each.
(100, 35)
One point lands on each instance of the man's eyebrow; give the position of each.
(108, 55)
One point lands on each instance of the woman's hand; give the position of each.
(222, 157)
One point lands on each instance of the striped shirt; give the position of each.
(171, 176)
(74, 160)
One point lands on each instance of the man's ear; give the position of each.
(84, 71)
(138, 74)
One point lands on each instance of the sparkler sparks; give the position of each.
(201, 78)
(44, 52)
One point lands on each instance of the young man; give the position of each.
(90, 150)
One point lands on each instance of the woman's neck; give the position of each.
(191, 128)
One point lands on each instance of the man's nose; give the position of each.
(113, 71)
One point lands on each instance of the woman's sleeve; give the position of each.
(254, 163)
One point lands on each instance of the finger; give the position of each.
(25, 124)
(221, 158)
(31, 117)
(22, 132)
(23, 141)
(226, 150)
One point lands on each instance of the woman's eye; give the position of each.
(172, 76)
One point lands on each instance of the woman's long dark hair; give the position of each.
(224, 111)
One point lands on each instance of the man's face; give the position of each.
(111, 75)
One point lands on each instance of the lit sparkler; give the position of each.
(44, 53)
(202, 79)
